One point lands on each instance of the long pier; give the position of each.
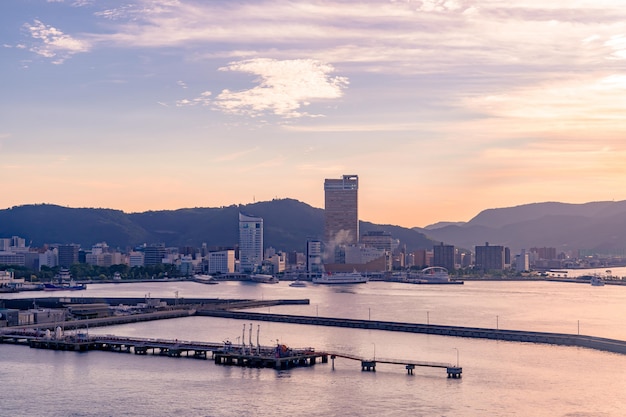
(564, 339)
(279, 357)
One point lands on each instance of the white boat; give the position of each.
(353, 277)
(432, 275)
(205, 279)
(297, 283)
(264, 278)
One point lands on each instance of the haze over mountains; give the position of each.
(595, 227)
(598, 227)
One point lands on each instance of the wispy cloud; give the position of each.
(203, 99)
(53, 43)
(284, 87)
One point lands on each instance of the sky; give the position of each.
(443, 108)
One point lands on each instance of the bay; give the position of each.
(499, 378)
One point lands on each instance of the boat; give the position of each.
(71, 286)
(353, 277)
(62, 283)
(432, 275)
(298, 283)
(596, 281)
(264, 278)
(205, 279)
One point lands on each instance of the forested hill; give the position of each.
(287, 223)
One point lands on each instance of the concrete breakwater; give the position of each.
(564, 339)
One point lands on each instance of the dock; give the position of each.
(278, 357)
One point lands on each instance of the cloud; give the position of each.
(202, 100)
(284, 87)
(53, 43)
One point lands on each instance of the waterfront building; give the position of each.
(490, 257)
(422, 258)
(443, 255)
(380, 240)
(250, 242)
(48, 258)
(277, 262)
(135, 259)
(68, 255)
(221, 261)
(314, 256)
(154, 254)
(341, 215)
(362, 254)
(12, 258)
(544, 253)
(522, 263)
(13, 244)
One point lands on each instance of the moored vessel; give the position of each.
(62, 283)
(264, 278)
(353, 277)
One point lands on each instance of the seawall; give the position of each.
(564, 339)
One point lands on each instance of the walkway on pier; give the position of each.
(368, 364)
(564, 339)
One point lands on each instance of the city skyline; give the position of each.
(443, 108)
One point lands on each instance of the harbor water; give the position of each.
(499, 378)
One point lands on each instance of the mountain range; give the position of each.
(596, 227)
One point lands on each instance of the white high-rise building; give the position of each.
(250, 242)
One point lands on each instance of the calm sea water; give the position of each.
(499, 378)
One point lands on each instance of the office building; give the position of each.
(314, 256)
(154, 254)
(250, 242)
(68, 255)
(443, 256)
(222, 262)
(341, 214)
(490, 257)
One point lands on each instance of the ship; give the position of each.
(264, 278)
(353, 277)
(62, 283)
(432, 275)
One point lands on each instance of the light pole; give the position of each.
(374, 350)
(457, 356)
(369, 313)
(497, 323)
(428, 318)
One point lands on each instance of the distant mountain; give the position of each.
(597, 226)
(288, 224)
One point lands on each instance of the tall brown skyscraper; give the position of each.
(341, 208)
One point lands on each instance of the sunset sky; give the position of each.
(443, 108)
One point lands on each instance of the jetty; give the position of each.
(279, 357)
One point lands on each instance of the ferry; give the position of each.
(432, 275)
(353, 277)
(62, 284)
(264, 278)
